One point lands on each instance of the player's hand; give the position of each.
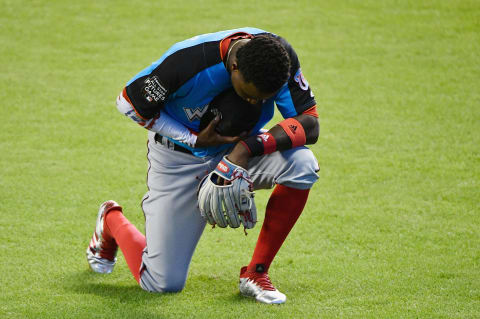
(209, 137)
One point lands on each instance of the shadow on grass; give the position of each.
(217, 288)
(237, 298)
(88, 282)
(211, 288)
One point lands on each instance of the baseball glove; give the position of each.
(227, 203)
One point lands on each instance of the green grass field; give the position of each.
(391, 229)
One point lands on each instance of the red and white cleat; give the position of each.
(258, 285)
(102, 249)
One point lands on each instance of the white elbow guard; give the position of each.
(163, 124)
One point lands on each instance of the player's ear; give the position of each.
(234, 66)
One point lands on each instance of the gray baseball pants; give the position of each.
(173, 224)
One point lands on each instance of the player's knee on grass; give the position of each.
(158, 283)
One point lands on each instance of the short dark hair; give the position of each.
(264, 62)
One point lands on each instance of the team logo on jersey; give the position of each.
(300, 79)
(154, 91)
(195, 113)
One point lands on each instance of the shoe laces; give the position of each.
(262, 280)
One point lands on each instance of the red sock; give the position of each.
(283, 209)
(129, 239)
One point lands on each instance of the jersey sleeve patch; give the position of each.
(300, 79)
(154, 91)
(150, 92)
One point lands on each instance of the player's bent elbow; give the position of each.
(313, 130)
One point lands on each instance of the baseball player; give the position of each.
(170, 98)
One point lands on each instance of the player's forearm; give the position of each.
(262, 144)
(290, 133)
(239, 155)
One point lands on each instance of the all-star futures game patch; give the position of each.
(154, 91)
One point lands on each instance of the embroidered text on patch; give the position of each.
(153, 90)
